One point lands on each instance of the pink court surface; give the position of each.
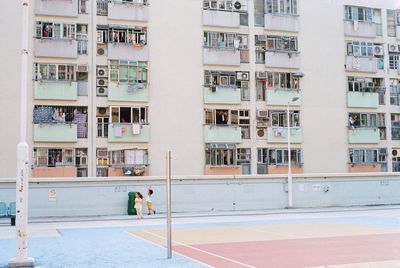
(351, 241)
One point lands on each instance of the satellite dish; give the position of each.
(238, 5)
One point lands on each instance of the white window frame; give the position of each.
(143, 112)
(281, 7)
(137, 71)
(65, 30)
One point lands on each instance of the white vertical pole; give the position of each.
(22, 259)
(169, 233)
(290, 181)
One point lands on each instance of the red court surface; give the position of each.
(297, 252)
(323, 244)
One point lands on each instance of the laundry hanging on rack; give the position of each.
(81, 120)
(136, 129)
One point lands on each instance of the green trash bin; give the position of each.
(131, 203)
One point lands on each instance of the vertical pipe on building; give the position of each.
(92, 95)
(22, 176)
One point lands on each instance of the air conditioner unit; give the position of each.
(396, 152)
(102, 111)
(242, 76)
(101, 82)
(101, 50)
(262, 113)
(102, 71)
(261, 75)
(394, 48)
(239, 6)
(101, 153)
(378, 50)
(82, 68)
(261, 133)
(101, 91)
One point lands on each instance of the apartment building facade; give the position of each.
(117, 83)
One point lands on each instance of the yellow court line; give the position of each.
(200, 250)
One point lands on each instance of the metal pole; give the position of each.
(169, 233)
(290, 181)
(22, 176)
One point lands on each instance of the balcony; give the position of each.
(125, 92)
(56, 8)
(360, 29)
(124, 133)
(55, 90)
(282, 96)
(278, 59)
(221, 18)
(55, 132)
(222, 95)
(364, 135)
(362, 99)
(117, 51)
(128, 11)
(222, 134)
(221, 56)
(361, 64)
(283, 23)
(56, 48)
(279, 135)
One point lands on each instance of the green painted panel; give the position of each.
(282, 97)
(55, 133)
(222, 134)
(121, 93)
(223, 95)
(364, 135)
(48, 90)
(363, 99)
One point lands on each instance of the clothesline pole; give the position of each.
(22, 175)
(169, 233)
(290, 180)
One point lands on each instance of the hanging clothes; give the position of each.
(136, 129)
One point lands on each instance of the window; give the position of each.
(53, 157)
(244, 159)
(81, 157)
(261, 87)
(394, 91)
(218, 156)
(59, 114)
(225, 40)
(136, 2)
(123, 71)
(135, 36)
(55, 30)
(281, 156)
(395, 122)
(244, 123)
(129, 115)
(281, 7)
(367, 156)
(262, 160)
(394, 60)
(101, 155)
(366, 120)
(54, 72)
(281, 43)
(102, 126)
(391, 22)
(357, 48)
(83, 6)
(364, 84)
(222, 117)
(128, 157)
(282, 80)
(219, 78)
(279, 118)
(363, 14)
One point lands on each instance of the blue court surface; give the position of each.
(127, 242)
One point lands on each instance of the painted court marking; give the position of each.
(160, 246)
(200, 250)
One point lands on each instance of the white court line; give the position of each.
(158, 245)
(203, 251)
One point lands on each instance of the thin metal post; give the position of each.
(22, 175)
(290, 180)
(169, 233)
